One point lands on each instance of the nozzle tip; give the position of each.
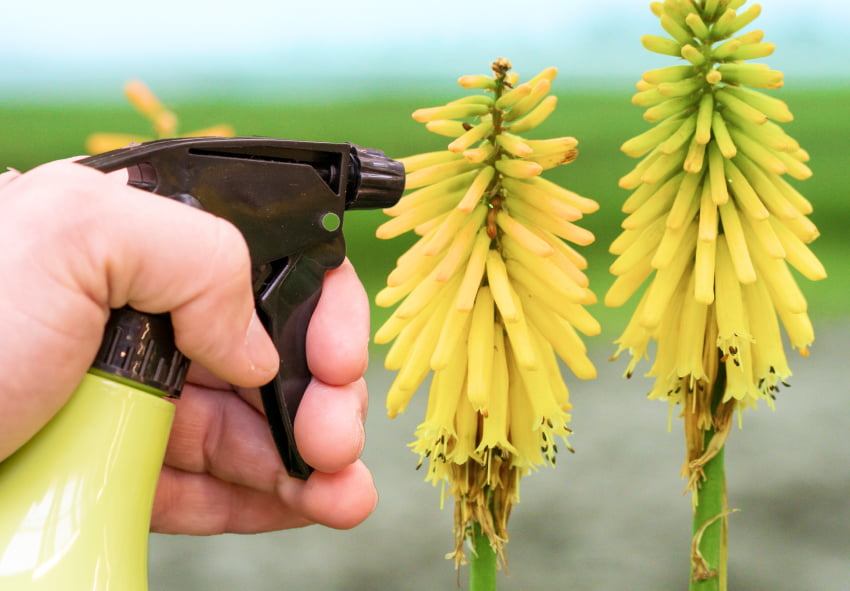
(380, 180)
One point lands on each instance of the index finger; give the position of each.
(338, 335)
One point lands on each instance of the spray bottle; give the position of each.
(76, 500)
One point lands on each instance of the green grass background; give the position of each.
(601, 120)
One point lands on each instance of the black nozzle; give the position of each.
(381, 180)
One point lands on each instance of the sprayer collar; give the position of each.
(140, 348)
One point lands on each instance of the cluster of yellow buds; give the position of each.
(713, 222)
(163, 120)
(491, 295)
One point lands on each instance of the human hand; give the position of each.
(75, 243)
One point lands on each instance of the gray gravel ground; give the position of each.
(610, 517)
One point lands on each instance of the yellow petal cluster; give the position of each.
(163, 120)
(488, 297)
(713, 223)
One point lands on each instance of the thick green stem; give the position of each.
(709, 541)
(482, 563)
(709, 528)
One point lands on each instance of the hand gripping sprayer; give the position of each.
(75, 501)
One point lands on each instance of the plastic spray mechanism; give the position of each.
(75, 501)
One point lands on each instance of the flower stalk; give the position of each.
(482, 562)
(710, 523)
(708, 544)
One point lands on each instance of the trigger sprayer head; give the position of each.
(380, 181)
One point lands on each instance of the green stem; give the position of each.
(482, 562)
(710, 524)
(710, 517)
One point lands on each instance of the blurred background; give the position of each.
(611, 516)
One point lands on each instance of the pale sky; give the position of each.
(103, 42)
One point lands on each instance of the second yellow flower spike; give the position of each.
(712, 223)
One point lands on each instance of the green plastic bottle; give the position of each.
(76, 499)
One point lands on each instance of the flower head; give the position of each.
(488, 297)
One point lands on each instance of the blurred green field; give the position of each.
(35, 133)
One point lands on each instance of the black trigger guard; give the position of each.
(285, 308)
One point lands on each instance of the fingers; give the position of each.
(223, 473)
(330, 436)
(200, 504)
(341, 500)
(338, 336)
(217, 433)
(329, 426)
(220, 470)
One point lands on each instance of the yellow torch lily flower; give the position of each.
(713, 225)
(488, 297)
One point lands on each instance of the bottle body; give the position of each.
(75, 501)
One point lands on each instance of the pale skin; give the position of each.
(75, 243)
